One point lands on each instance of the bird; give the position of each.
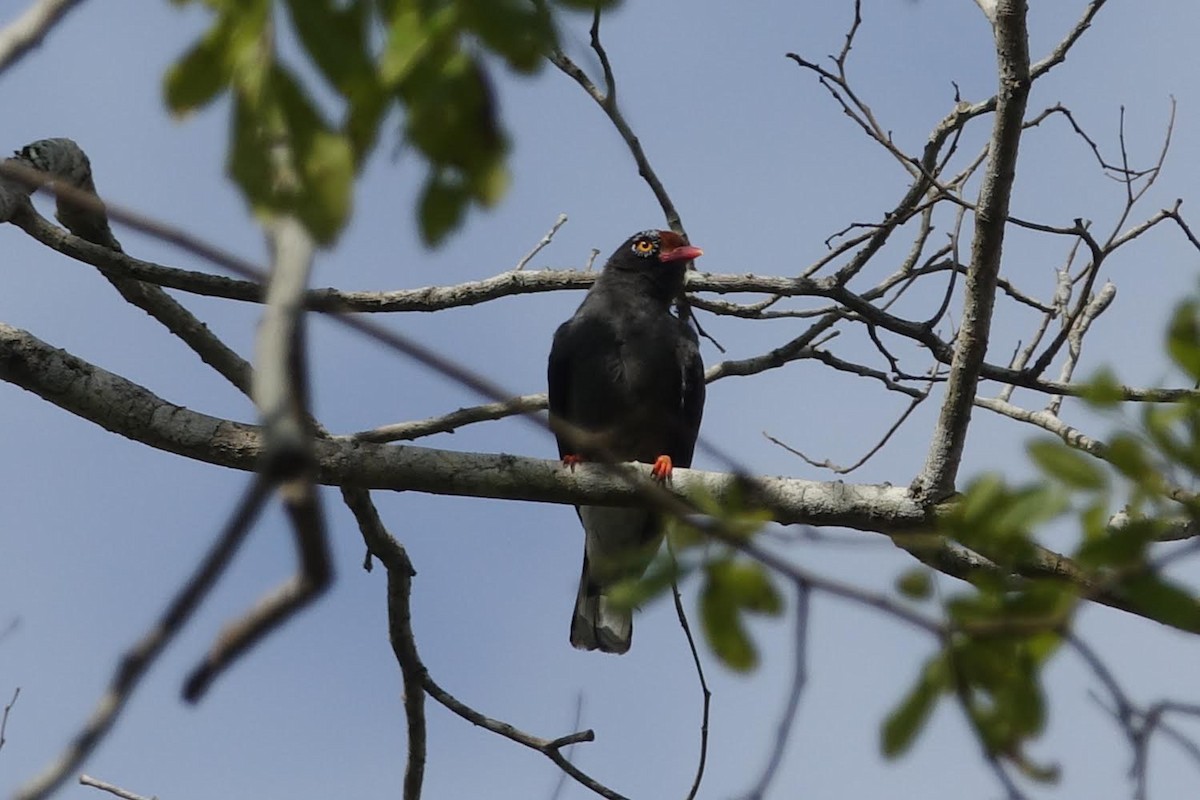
(626, 383)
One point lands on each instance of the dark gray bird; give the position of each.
(626, 374)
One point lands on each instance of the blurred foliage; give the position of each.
(1006, 625)
(1002, 632)
(428, 59)
(732, 584)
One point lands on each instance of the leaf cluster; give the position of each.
(733, 586)
(1003, 630)
(427, 59)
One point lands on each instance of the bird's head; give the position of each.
(653, 260)
(648, 249)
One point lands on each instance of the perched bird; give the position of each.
(625, 374)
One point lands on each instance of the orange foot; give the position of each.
(662, 469)
(570, 460)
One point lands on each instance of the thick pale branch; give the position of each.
(27, 31)
(949, 437)
(134, 412)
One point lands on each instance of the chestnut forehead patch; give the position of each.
(670, 240)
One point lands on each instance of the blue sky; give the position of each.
(98, 531)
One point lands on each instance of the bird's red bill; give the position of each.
(662, 468)
(672, 247)
(685, 252)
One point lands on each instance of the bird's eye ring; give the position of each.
(643, 246)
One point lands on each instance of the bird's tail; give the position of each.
(599, 624)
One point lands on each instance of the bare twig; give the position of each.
(705, 693)
(560, 785)
(10, 628)
(541, 245)
(301, 502)
(827, 464)
(448, 423)
(4, 717)
(799, 679)
(124, 794)
(400, 573)
(1047, 421)
(137, 661)
(86, 217)
(607, 100)
(1059, 54)
(417, 680)
(1089, 311)
(281, 393)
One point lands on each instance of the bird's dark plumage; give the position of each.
(626, 374)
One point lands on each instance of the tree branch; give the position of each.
(27, 31)
(138, 659)
(129, 410)
(124, 794)
(132, 411)
(281, 393)
(1012, 49)
(608, 103)
(385, 547)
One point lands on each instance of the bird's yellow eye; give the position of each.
(643, 246)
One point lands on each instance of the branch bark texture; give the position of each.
(125, 408)
(1012, 53)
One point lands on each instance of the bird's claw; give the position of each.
(661, 471)
(570, 460)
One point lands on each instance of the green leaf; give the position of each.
(916, 584)
(747, 585)
(442, 206)
(723, 627)
(335, 36)
(683, 536)
(731, 587)
(201, 74)
(588, 5)
(286, 159)
(1094, 520)
(517, 30)
(981, 498)
(1163, 601)
(249, 164)
(1103, 390)
(1042, 773)
(249, 53)
(1183, 338)
(738, 516)
(1128, 455)
(410, 38)
(901, 727)
(489, 183)
(1068, 465)
(1119, 548)
(1028, 507)
(658, 578)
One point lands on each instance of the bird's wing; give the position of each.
(558, 377)
(691, 397)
